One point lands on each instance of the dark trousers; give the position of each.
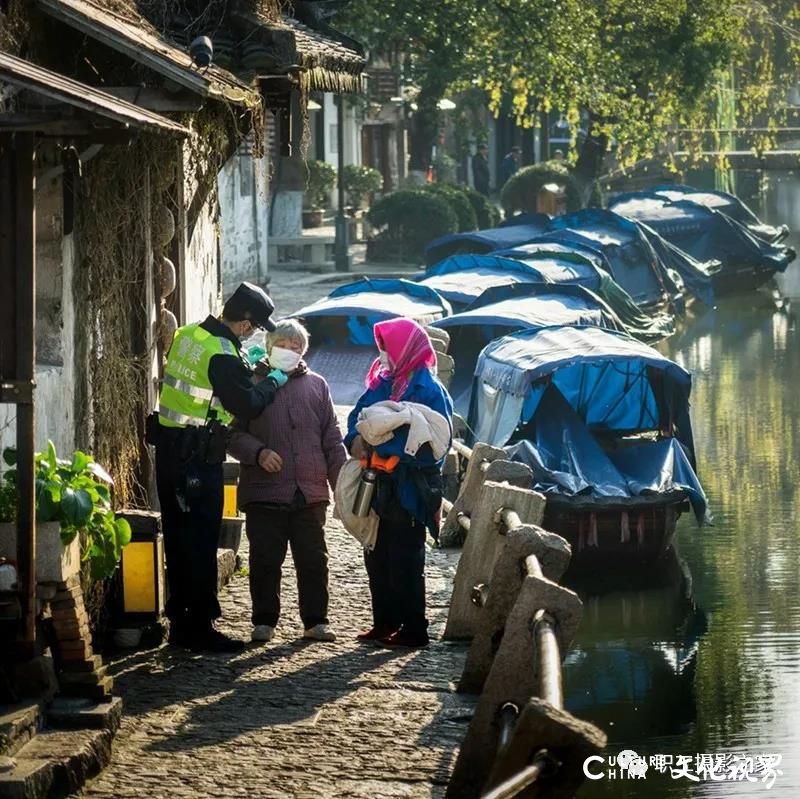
(396, 569)
(270, 529)
(191, 498)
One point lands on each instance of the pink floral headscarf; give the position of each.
(409, 349)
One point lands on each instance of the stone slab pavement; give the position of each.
(290, 718)
(292, 289)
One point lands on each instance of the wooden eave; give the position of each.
(58, 88)
(142, 44)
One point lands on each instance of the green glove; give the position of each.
(281, 378)
(254, 355)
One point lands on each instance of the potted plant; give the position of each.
(359, 181)
(75, 521)
(320, 180)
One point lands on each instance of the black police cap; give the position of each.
(254, 304)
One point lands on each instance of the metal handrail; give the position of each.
(523, 779)
(547, 653)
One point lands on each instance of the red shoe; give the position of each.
(376, 633)
(403, 638)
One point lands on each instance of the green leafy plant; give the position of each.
(360, 181)
(410, 218)
(486, 212)
(459, 202)
(320, 180)
(77, 494)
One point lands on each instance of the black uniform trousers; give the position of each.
(396, 569)
(191, 497)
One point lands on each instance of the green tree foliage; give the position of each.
(435, 37)
(639, 67)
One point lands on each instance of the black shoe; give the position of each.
(212, 640)
(405, 640)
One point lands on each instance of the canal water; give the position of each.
(703, 657)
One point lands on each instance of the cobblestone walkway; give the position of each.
(294, 719)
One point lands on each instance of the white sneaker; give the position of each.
(320, 632)
(262, 633)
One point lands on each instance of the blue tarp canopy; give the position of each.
(696, 276)
(558, 393)
(367, 301)
(728, 204)
(461, 279)
(608, 377)
(704, 233)
(567, 459)
(483, 241)
(529, 306)
(631, 259)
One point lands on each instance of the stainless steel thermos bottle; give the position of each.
(365, 492)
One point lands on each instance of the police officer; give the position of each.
(206, 383)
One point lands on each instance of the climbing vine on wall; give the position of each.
(111, 295)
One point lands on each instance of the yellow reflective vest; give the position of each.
(186, 394)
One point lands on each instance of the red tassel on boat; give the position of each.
(640, 529)
(624, 527)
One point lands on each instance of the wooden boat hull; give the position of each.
(742, 279)
(636, 532)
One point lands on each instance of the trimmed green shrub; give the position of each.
(521, 189)
(409, 219)
(359, 181)
(486, 212)
(320, 180)
(459, 202)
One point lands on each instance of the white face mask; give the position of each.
(384, 359)
(283, 359)
(256, 339)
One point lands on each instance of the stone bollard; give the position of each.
(553, 553)
(513, 677)
(469, 497)
(567, 740)
(485, 543)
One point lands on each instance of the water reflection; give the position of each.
(634, 665)
(715, 669)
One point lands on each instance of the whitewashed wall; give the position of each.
(244, 220)
(201, 282)
(54, 395)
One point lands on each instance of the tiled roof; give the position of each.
(142, 42)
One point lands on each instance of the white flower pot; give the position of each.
(55, 563)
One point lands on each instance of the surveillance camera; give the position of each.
(202, 51)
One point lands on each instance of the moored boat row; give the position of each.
(550, 324)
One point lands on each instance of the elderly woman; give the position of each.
(407, 499)
(289, 456)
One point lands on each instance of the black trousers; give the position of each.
(396, 569)
(270, 530)
(191, 497)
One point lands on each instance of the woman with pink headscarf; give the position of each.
(408, 499)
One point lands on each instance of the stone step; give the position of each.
(78, 714)
(56, 763)
(18, 725)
